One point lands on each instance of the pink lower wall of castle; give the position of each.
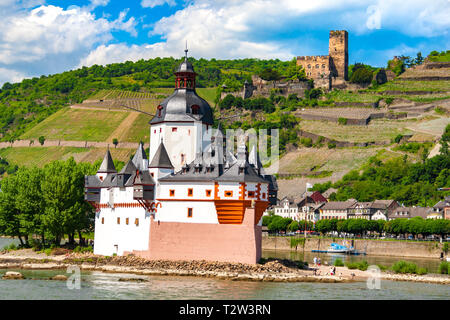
(204, 241)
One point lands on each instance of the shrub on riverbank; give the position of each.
(338, 262)
(361, 265)
(444, 267)
(408, 267)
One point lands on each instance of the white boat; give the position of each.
(337, 248)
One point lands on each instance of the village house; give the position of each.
(409, 212)
(309, 206)
(439, 209)
(286, 208)
(336, 209)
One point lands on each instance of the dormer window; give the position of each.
(195, 109)
(159, 110)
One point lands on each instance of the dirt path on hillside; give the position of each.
(123, 128)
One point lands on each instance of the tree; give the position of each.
(270, 75)
(65, 211)
(362, 76)
(9, 213)
(445, 140)
(115, 142)
(41, 140)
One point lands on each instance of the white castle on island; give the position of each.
(193, 200)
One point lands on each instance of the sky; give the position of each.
(42, 37)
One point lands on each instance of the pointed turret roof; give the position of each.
(139, 157)
(254, 160)
(161, 158)
(107, 165)
(129, 168)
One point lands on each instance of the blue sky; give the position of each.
(51, 36)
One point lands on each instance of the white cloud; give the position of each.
(51, 36)
(8, 75)
(47, 39)
(155, 3)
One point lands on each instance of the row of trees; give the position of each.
(46, 203)
(415, 226)
(277, 223)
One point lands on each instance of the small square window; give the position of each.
(174, 129)
(208, 193)
(228, 193)
(251, 194)
(190, 192)
(172, 193)
(189, 214)
(103, 220)
(136, 222)
(118, 220)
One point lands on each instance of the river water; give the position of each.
(99, 285)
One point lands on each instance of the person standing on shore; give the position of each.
(318, 261)
(315, 261)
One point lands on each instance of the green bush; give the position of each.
(404, 267)
(444, 267)
(331, 145)
(361, 265)
(307, 142)
(48, 251)
(338, 262)
(421, 271)
(382, 267)
(342, 121)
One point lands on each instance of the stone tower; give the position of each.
(338, 52)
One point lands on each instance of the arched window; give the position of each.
(159, 110)
(195, 109)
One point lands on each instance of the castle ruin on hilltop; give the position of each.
(330, 70)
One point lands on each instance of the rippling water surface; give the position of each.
(99, 285)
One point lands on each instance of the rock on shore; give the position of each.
(12, 275)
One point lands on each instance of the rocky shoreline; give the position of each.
(274, 270)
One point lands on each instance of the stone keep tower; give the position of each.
(338, 52)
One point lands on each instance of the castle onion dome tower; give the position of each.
(184, 104)
(183, 121)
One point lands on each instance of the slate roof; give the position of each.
(161, 158)
(381, 204)
(107, 165)
(338, 205)
(139, 157)
(411, 212)
(178, 106)
(144, 178)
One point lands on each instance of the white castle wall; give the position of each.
(180, 138)
(174, 208)
(115, 236)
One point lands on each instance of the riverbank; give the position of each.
(394, 248)
(280, 270)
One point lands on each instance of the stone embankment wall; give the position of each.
(419, 249)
